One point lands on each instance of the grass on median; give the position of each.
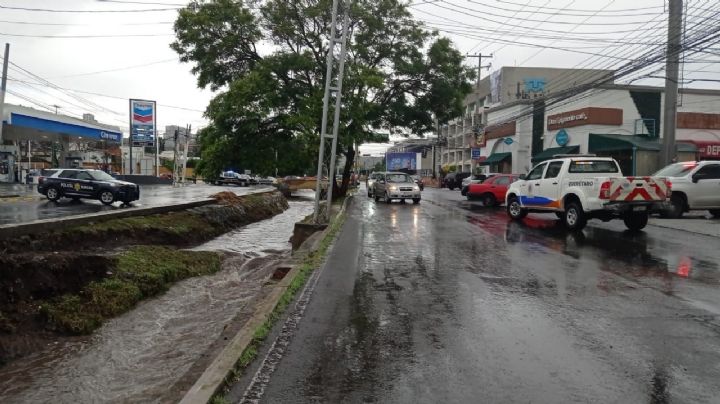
(308, 265)
(139, 273)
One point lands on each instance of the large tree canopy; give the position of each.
(269, 58)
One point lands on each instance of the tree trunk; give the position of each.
(341, 191)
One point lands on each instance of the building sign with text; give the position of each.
(585, 116)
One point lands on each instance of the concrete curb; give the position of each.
(39, 226)
(214, 375)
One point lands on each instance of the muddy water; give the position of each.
(140, 356)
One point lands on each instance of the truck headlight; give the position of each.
(393, 188)
(416, 188)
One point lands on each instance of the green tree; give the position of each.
(269, 61)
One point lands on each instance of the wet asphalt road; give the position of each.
(33, 206)
(449, 302)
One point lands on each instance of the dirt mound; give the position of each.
(227, 198)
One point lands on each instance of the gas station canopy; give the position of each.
(23, 124)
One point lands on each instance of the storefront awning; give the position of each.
(705, 149)
(611, 142)
(495, 158)
(547, 154)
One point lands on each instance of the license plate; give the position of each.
(639, 208)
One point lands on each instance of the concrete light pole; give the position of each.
(672, 67)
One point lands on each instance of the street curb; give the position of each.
(40, 226)
(214, 376)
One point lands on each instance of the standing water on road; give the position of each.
(147, 354)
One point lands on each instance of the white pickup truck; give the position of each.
(581, 187)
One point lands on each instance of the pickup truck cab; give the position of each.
(696, 186)
(581, 187)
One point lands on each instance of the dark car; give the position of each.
(89, 184)
(419, 181)
(454, 180)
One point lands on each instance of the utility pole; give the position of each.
(672, 67)
(337, 89)
(187, 146)
(3, 88)
(480, 66)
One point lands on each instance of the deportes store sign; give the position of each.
(143, 118)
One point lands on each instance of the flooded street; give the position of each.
(449, 301)
(150, 354)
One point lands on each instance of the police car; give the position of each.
(91, 184)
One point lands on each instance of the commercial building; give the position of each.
(33, 139)
(506, 132)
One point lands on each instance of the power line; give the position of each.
(105, 95)
(60, 24)
(83, 36)
(117, 69)
(48, 10)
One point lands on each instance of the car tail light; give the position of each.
(668, 183)
(40, 180)
(605, 190)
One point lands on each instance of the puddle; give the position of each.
(143, 355)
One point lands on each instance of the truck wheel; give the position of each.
(53, 194)
(107, 197)
(677, 207)
(635, 220)
(574, 217)
(489, 200)
(377, 198)
(514, 209)
(715, 213)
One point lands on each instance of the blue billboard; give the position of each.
(401, 161)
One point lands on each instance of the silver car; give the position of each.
(392, 185)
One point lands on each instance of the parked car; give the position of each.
(454, 180)
(695, 186)
(395, 185)
(369, 181)
(473, 179)
(419, 181)
(584, 187)
(492, 191)
(91, 184)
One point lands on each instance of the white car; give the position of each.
(584, 187)
(695, 186)
(369, 184)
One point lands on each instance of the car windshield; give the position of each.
(101, 176)
(398, 178)
(676, 170)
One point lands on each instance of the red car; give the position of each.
(492, 191)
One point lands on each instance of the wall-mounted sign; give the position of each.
(585, 116)
(534, 85)
(562, 138)
(508, 141)
(475, 153)
(501, 130)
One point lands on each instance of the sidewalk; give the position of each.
(699, 222)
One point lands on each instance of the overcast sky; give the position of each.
(548, 33)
